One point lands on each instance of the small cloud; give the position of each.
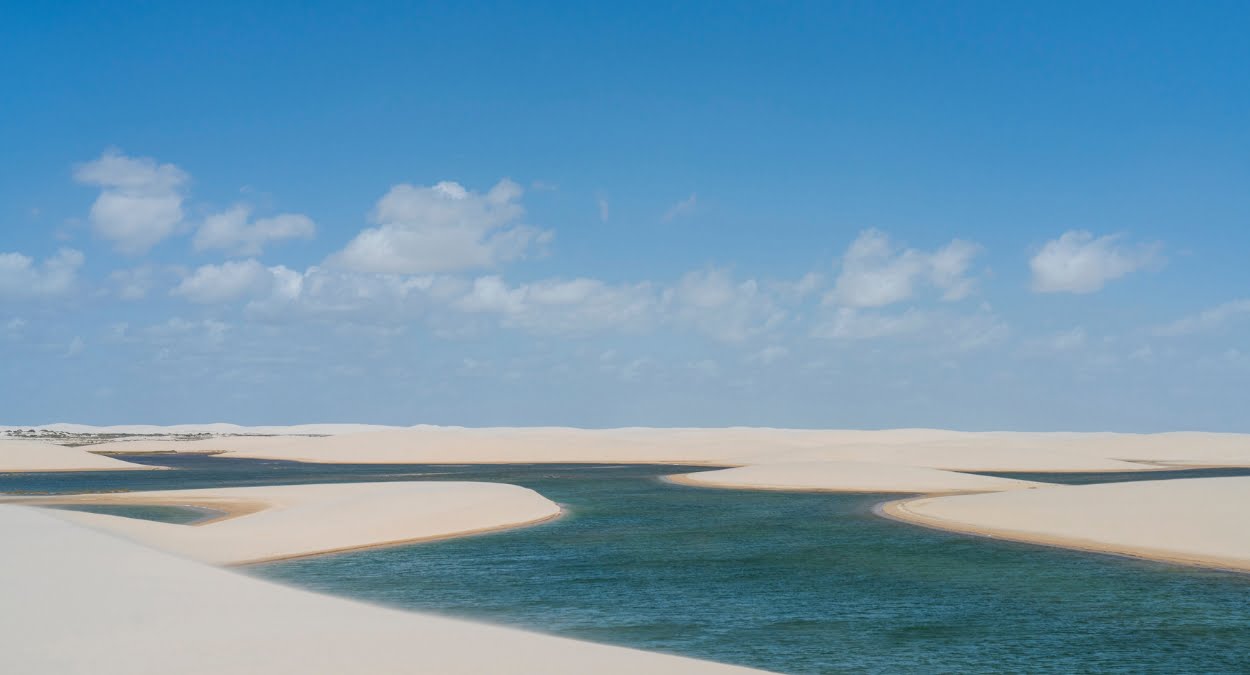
(234, 231)
(602, 202)
(768, 355)
(875, 272)
(13, 328)
(1079, 262)
(681, 208)
(140, 201)
(1207, 320)
(22, 278)
(75, 347)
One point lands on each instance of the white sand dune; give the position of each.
(960, 457)
(23, 455)
(1196, 520)
(849, 477)
(933, 448)
(84, 602)
(287, 521)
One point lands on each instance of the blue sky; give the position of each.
(965, 215)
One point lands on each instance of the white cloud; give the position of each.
(849, 323)
(231, 231)
(941, 330)
(681, 208)
(604, 209)
(440, 229)
(140, 201)
(13, 328)
(570, 307)
(370, 298)
(21, 278)
(1068, 340)
(876, 273)
(1077, 262)
(1207, 320)
(768, 355)
(75, 347)
(179, 335)
(714, 304)
(213, 284)
(132, 284)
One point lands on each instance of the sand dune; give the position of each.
(23, 455)
(287, 521)
(849, 477)
(93, 603)
(933, 448)
(1197, 520)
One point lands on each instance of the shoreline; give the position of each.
(896, 510)
(404, 542)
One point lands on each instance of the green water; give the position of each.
(793, 582)
(180, 515)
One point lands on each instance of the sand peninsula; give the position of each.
(261, 524)
(1194, 521)
(28, 455)
(93, 602)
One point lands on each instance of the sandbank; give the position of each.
(32, 456)
(833, 476)
(1196, 521)
(287, 521)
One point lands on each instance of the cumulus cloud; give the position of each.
(713, 303)
(233, 231)
(1079, 262)
(570, 307)
(140, 201)
(213, 284)
(1207, 320)
(875, 272)
(442, 228)
(22, 278)
(681, 208)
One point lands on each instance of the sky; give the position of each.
(840, 215)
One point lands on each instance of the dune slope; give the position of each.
(1195, 520)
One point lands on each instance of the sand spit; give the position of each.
(1197, 521)
(22, 455)
(94, 603)
(849, 477)
(276, 522)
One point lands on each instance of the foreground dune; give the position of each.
(849, 477)
(270, 523)
(93, 603)
(23, 455)
(933, 448)
(1199, 521)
